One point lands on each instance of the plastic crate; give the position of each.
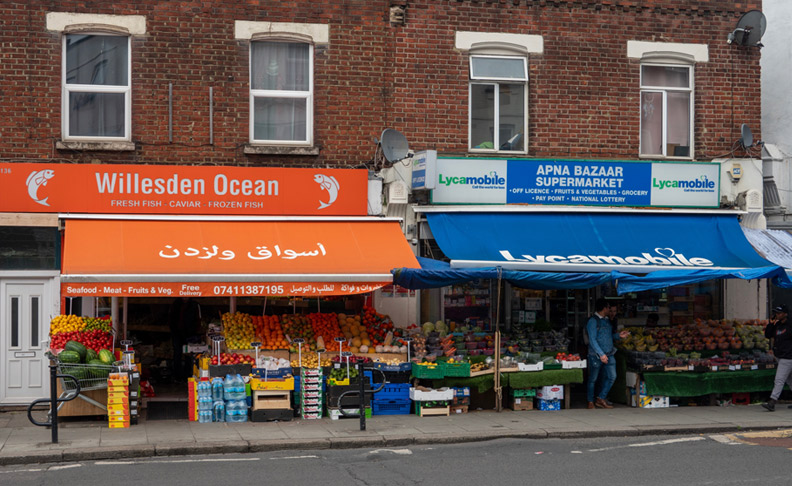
(390, 407)
(523, 392)
(461, 370)
(394, 377)
(394, 391)
(432, 372)
(271, 374)
(388, 367)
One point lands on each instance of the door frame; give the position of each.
(50, 308)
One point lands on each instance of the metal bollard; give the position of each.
(53, 400)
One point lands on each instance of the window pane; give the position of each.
(279, 119)
(97, 59)
(280, 66)
(512, 116)
(96, 114)
(14, 322)
(29, 248)
(490, 67)
(482, 116)
(665, 76)
(678, 131)
(34, 322)
(652, 123)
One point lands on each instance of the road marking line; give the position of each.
(724, 439)
(403, 452)
(294, 457)
(650, 444)
(68, 466)
(576, 452)
(173, 461)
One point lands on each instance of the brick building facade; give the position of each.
(375, 70)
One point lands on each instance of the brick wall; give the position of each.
(583, 90)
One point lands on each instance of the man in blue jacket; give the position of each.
(779, 330)
(601, 354)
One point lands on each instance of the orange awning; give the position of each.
(206, 258)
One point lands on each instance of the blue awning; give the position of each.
(582, 250)
(434, 273)
(594, 242)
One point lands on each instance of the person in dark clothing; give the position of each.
(780, 331)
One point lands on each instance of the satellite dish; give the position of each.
(391, 148)
(750, 29)
(394, 145)
(746, 137)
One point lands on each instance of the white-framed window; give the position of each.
(666, 110)
(498, 103)
(281, 92)
(97, 91)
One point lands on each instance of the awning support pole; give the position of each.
(232, 304)
(126, 307)
(498, 388)
(264, 309)
(113, 314)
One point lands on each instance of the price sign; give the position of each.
(320, 351)
(256, 344)
(218, 339)
(125, 342)
(346, 354)
(407, 339)
(340, 340)
(298, 340)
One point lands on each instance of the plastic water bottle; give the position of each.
(204, 416)
(228, 388)
(241, 411)
(204, 389)
(218, 411)
(205, 402)
(217, 389)
(230, 411)
(239, 388)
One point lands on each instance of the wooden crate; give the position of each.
(271, 400)
(80, 408)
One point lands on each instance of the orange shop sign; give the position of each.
(217, 289)
(177, 189)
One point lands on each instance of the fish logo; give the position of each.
(329, 184)
(35, 180)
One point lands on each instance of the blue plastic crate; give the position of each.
(387, 367)
(390, 407)
(394, 391)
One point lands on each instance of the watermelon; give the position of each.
(91, 355)
(98, 368)
(106, 356)
(79, 348)
(68, 356)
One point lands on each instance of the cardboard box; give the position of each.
(518, 404)
(271, 400)
(548, 405)
(642, 400)
(552, 392)
(284, 384)
(118, 425)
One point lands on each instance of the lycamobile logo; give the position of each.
(491, 179)
(701, 183)
(663, 257)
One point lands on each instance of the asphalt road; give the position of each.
(668, 460)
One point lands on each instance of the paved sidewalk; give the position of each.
(23, 443)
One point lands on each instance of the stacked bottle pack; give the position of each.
(236, 408)
(311, 393)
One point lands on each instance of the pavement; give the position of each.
(81, 440)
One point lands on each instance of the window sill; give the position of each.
(664, 157)
(95, 146)
(279, 150)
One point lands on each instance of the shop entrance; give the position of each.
(24, 326)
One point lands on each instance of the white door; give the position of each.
(23, 327)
